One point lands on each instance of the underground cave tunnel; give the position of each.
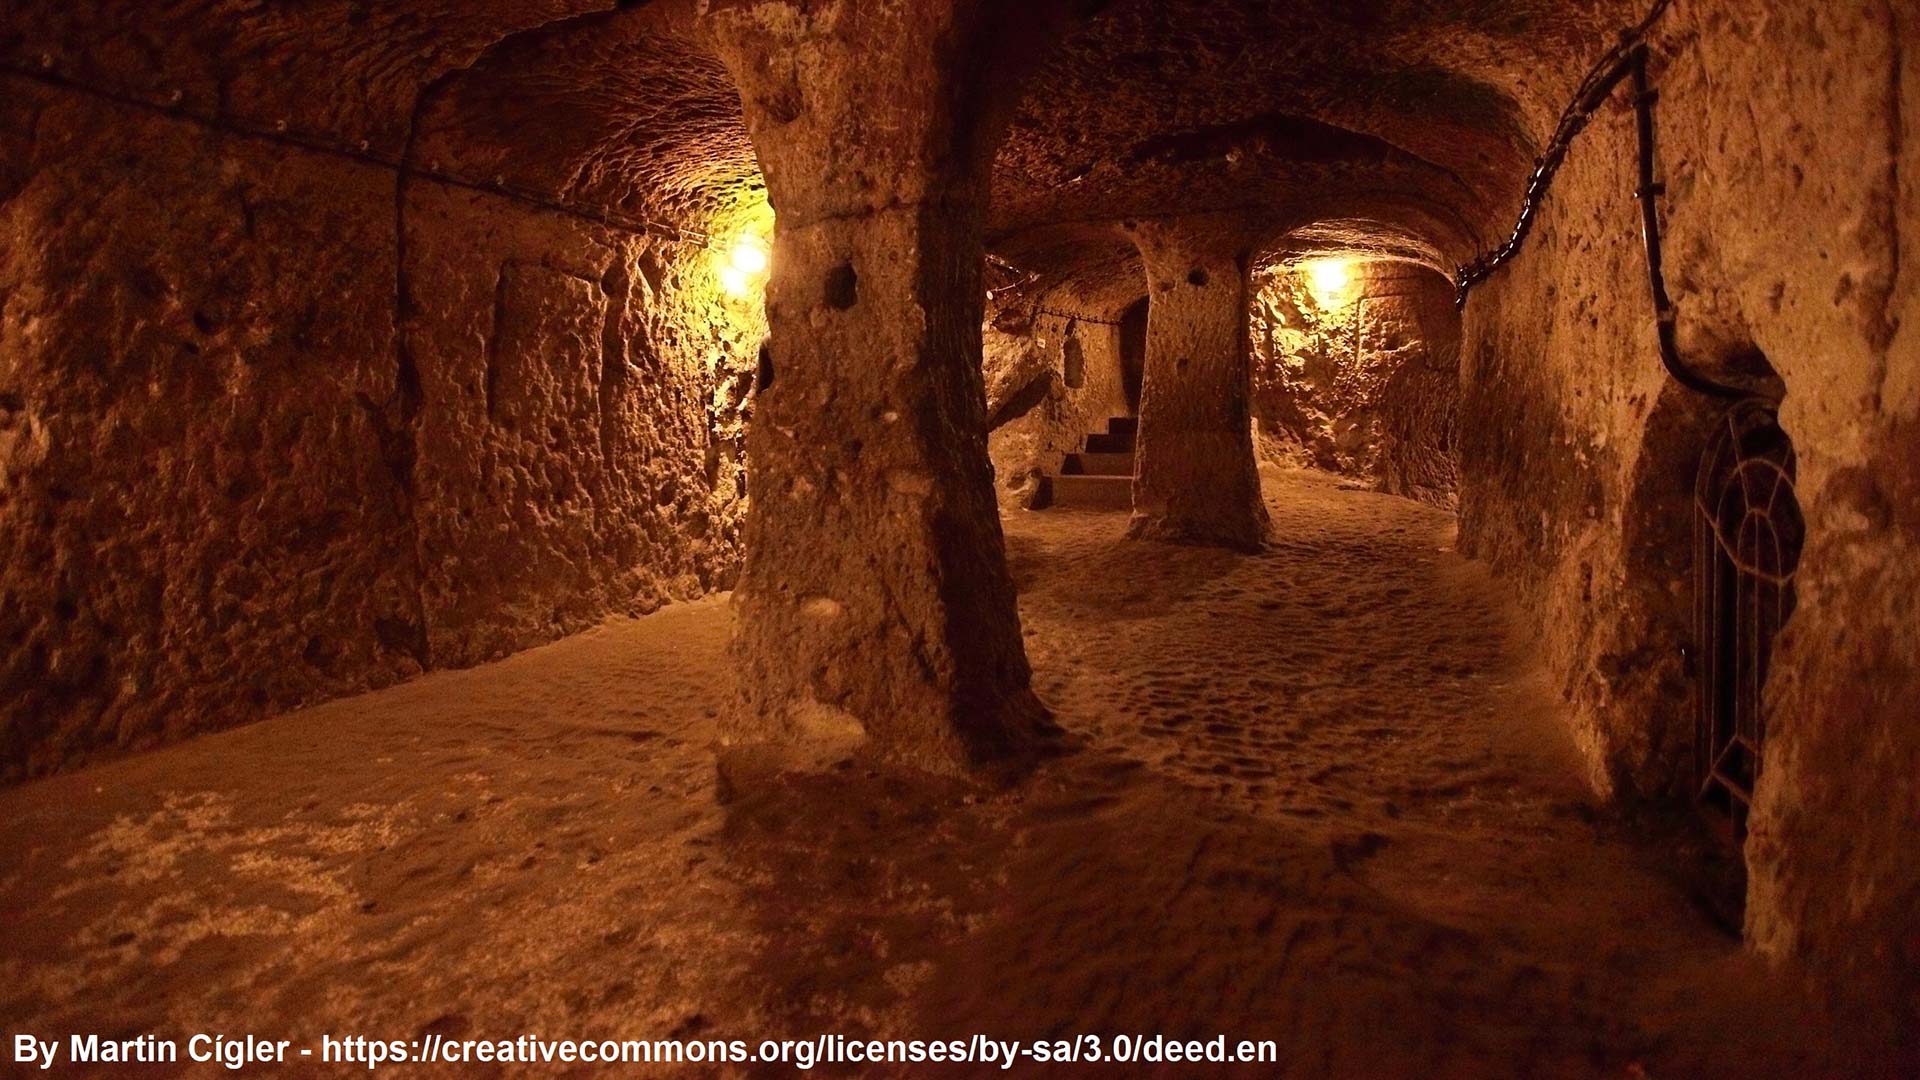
(726, 537)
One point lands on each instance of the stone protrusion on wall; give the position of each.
(1195, 479)
(874, 609)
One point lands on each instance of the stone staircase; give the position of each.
(1099, 476)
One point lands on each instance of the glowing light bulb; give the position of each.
(748, 256)
(742, 267)
(1330, 275)
(1329, 281)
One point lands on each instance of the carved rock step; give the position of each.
(1087, 492)
(1092, 464)
(1099, 476)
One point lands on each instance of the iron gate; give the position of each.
(1747, 538)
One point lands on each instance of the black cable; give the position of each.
(1649, 192)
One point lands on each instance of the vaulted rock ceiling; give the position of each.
(1397, 127)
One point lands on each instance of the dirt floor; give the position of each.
(1316, 795)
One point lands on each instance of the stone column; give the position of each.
(1195, 480)
(874, 608)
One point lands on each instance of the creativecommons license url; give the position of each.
(251, 1052)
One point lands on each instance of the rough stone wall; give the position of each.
(1049, 384)
(1789, 155)
(570, 461)
(226, 490)
(1364, 383)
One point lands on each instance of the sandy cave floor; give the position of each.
(1316, 795)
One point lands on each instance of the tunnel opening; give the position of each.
(1133, 352)
(1356, 371)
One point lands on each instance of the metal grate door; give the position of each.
(1747, 538)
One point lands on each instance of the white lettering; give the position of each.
(29, 1048)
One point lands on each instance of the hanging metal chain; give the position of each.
(1594, 90)
(1628, 59)
(1017, 281)
(1076, 318)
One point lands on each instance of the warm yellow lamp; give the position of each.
(1330, 281)
(743, 266)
